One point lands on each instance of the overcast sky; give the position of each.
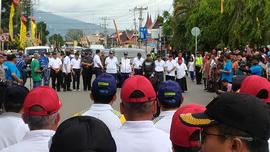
(93, 10)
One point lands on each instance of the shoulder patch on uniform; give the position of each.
(120, 116)
(157, 119)
(79, 113)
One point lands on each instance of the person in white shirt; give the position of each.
(41, 113)
(76, 71)
(137, 64)
(56, 66)
(159, 69)
(170, 99)
(98, 67)
(180, 56)
(67, 72)
(125, 68)
(12, 128)
(138, 133)
(112, 64)
(191, 68)
(104, 95)
(170, 67)
(181, 71)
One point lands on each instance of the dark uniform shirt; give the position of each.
(87, 59)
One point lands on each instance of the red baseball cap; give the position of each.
(44, 97)
(252, 85)
(138, 83)
(180, 134)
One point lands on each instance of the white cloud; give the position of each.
(93, 10)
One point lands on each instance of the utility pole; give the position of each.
(140, 10)
(135, 26)
(105, 19)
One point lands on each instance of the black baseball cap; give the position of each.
(237, 82)
(15, 94)
(241, 111)
(83, 134)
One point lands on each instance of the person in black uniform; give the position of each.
(87, 72)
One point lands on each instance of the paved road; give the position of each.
(74, 102)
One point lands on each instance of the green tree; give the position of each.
(42, 32)
(56, 39)
(74, 35)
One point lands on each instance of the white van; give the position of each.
(36, 49)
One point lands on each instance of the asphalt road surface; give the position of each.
(74, 102)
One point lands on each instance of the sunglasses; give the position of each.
(203, 134)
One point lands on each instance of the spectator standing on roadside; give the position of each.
(56, 73)
(36, 71)
(87, 71)
(98, 66)
(67, 72)
(112, 65)
(170, 67)
(44, 63)
(12, 73)
(125, 68)
(198, 68)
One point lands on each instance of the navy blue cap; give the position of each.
(104, 85)
(169, 92)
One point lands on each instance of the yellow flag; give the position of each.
(10, 26)
(23, 32)
(33, 30)
(222, 7)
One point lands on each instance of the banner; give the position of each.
(11, 15)
(33, 30)
(23, 32)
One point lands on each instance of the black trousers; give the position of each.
(87, 79)
(138, 71)
(67, 81)
(98, 71)
(182, 83)
(124, 76)
(76, 78)
(56, 79)
(170, 78)
(198, 74)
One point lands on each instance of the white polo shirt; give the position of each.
(191, 66)
(66, 63)
(137, 63)
(125, 66)
(170, 65)
(181, 70)
(33, 141)
(12, 129)
(76, 64)
(164, 120)
(141, 136)
(159, 66)
(55, 63)
(105, 113)
(111, 65)
(97, 61)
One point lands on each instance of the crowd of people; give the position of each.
(236, 120)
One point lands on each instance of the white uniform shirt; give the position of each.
(176, 60)
(170, 65)
(97, 62)
(137, 63)
(12, 129)
(105, 113)
(76, 64)
(181, 70)
(125, 66)
(191, 66)
(33, 141)
(141, 136)
(111, 65)
(159, 66)
(55, 63)
(66, 63)
(164, 120)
